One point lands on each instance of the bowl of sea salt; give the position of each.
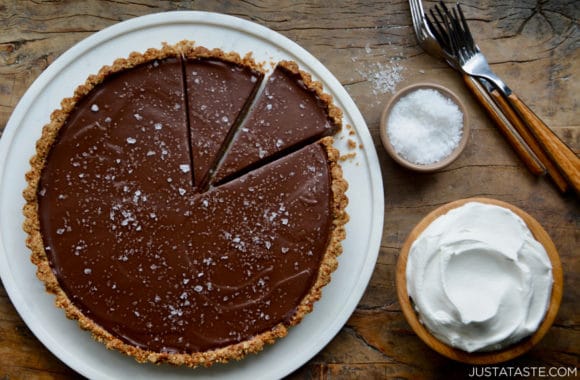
(424, 127)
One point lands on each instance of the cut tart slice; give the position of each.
(146, 262)
(292, 111)
(219, 88)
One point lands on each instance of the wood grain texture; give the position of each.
(563, 157)
(530, 140)
(506, 122)
(532, 45)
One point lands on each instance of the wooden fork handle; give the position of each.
(561, 155)
(505, 127)
(529, 138)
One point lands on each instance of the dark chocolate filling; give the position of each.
(141, 251)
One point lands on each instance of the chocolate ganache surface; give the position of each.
(217, 93)
(150, 262)
(286, 114)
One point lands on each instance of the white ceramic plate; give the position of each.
(62, 336)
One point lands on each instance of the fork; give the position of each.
(430, 44)
(451, 30)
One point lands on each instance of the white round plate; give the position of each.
(62, 336)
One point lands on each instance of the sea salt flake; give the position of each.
(383, 77)
(425, 115)
(184, 168)
(95, 108)
(131, 140)
(138, 117)
(88, 271)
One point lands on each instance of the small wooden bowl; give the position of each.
(411, 165)
(491, 357)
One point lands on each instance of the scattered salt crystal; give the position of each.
(108, 119)
(424, 126)
(284, 249)
(88, 271)
(182, 191)
(384, 78)
(184, 168)
(158, 126)
(261, 152)
(138, 117)
(60, 231)
(131, 140)
(198, 288)
(95, 108)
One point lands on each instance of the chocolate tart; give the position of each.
(139, 242)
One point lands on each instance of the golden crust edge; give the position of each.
(31, 225)
(334, 112)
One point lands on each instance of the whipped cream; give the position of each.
(478, 278)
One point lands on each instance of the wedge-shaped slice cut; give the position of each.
(219, 88)
(291, 112)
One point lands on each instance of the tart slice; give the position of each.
(219, 89)
(291, 112)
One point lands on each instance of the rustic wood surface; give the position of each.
(370, 47)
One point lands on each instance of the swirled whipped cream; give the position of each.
(478, 278)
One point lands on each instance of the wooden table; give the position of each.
(370, 47)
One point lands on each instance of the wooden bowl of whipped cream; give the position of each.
(418, 322)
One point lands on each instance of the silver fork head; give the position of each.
(424, 34)
(451, 30)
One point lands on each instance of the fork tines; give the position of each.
(451, 30)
